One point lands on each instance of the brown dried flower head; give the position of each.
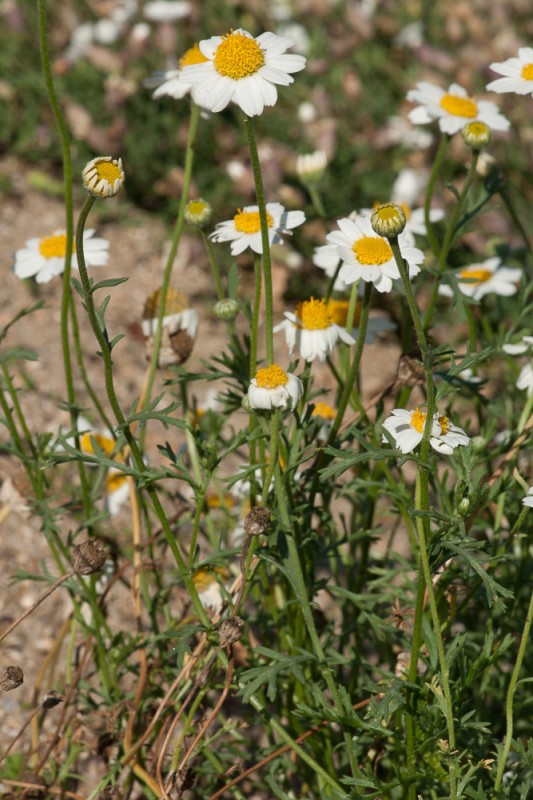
(89, 557)
(10, 678)
(179, 323)
(230, 630)
(257, 521)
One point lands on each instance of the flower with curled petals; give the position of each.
(243, 70)
(453, 108)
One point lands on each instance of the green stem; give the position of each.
(272, 455)
(265, 241)
(435, 172)
(254, 334)
(316, 200)
(187, 175)
(300, 590)
(102, 338)
(66, 297)
(506, 197)
(214, 265)
(510, 695)
(410, 703)
(449, 237)
(422, 522)
(351, 378)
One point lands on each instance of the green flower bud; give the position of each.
(198, 212)
(388, 220)
(226, 309)
(476, 135)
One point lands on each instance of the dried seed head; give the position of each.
(89, 557)
(257, 521)
(10, 678)
(52, 699)
(230, 630)
(181, 344)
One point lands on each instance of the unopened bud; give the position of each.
(311, 167)
(463, 507)
(476, 135)
(198, 213)
(226, 309)
(388, 220)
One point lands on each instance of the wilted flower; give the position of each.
(179, 323)
(244, 230)
(244, 70)
(407, 430)
(44, 258)
(453, 108)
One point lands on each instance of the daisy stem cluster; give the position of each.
(105, 351)
(423, 530)
(451, 232)
(267, 265)
(66, 298)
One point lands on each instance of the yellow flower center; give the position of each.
(238, 56)
(115, 480)
(215, 501)
(105, 443)
(196, 207)
(271, 377)
(192, 56)
(418, 421)
(324, 411)
(476, 275)
(372, 250)
(203, 578)
(338, 312)
(54, 246)
(313, 314)
(459, 106)
(108, 171)
(249, 222)
(527, 72)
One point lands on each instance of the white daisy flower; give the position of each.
(488, 277)
(517, 73)
(453, 108)
(244, 70)
(312, 329)
(272, 387)
(407, 430)
(244, 230)
(45, 257)
(525, 379)
(171, 82)
(369, 257)
(528, 499)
